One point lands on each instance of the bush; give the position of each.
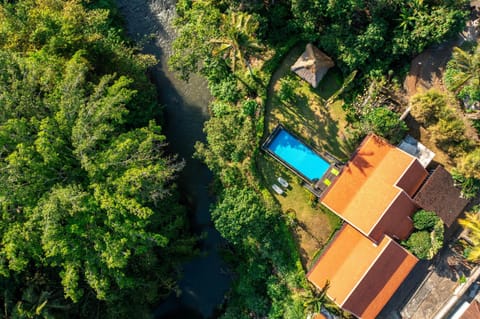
(220, 108)
(419, 243)
(428, 239)
(425, 220)
(476, 125)
(286, 94)
(225, 90)
(469, 164)
(427, 107)
(386, 123)
(449, 134)
(249, 107)
(470, 185)
(437, 237)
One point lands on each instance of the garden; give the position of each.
(311, 223)
(238, 47)
(320, 123)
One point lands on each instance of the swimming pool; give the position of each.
(296, 155)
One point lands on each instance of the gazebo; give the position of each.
(312, 65)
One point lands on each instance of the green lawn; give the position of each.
(313, 226)
(305, 113)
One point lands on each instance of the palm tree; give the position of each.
(318, 299)
(463, 70)
(472, 224)
(237, 38)
(410, 14)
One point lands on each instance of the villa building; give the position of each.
(374, 196)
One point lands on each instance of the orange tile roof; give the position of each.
(401, 263)
(473, 311)
(365, 189)
(350, 263)
(345, 262)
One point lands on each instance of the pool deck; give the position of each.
(315, 187)
(320, 187)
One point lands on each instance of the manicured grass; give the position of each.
(312, 226)
(307, 115)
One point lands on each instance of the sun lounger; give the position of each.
(335, 171)
(282, 182)
(327, 182)
(277, 189)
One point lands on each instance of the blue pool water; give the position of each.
(299, 156)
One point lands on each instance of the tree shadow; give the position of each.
(450, 263)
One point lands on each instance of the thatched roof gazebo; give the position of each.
(312, 65)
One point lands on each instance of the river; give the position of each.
(205, 278)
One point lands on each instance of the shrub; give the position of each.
(476, 125)
(470, 185)
(225, 90)
(386, 123)
(427, 107)
(449, 134)
(425, 220)
(249, 107)
(220, 108)
(428, 239)
(437, 237)
(419, 243)
(469, 165)
(286, 94)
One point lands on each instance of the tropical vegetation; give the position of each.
(471, 223)
(427, 238)
(462, 74)
(366, 39)
(90, 223)
(440, 113)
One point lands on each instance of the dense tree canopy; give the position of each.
(90, 224)
(371, 36)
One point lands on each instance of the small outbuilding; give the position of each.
(440, 195)
(312, 65)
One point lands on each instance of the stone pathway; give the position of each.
(430, 297)
(429, 287)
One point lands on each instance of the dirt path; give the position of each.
(426, 70)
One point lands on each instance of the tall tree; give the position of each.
(237, 38)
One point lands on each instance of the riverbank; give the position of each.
(205, 278)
